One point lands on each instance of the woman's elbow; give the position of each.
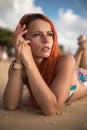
(51, 110)
(9, 106)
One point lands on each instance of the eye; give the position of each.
(50, 34)
(36, 34)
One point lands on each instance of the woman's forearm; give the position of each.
(43, 95)
(13, 91)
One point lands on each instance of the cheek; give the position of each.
(51, 44)
(35, 47)
(51, 41)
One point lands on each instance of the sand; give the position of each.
(71, 117)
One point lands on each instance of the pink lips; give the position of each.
(46, 49)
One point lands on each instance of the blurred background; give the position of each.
(68, 16)
(70, 20)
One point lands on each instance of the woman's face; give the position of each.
(41, 36)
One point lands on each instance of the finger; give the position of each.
(23, 32)
(17, 45)
(27, 41)
(20, 41)
(18, 26)
(19, 29)
(23, 27)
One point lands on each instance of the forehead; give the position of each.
(39, 24)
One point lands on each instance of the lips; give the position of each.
(46, 49)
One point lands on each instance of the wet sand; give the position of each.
(71, 116)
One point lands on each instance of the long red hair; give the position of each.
(47, 67)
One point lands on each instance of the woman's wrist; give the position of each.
(16, 65)
(18, 61)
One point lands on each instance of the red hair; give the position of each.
(47, 67)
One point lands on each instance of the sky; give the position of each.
(68, 16)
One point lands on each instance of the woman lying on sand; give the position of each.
(50, 76)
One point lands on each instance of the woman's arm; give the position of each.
(51, 99)
(14, 88)
(41, 92)
(64, 78)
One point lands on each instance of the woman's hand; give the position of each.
(26, 53)
(20, 31)
(84, 45)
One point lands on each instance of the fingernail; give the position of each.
(29, 41)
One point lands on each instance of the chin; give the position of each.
(46, 55)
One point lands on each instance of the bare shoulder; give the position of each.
(63, 76)
(66, 60)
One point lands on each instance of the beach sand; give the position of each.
(71, 116)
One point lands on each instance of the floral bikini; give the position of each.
(82, 76)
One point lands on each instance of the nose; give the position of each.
(45, 39)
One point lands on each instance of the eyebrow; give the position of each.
(41, 32)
